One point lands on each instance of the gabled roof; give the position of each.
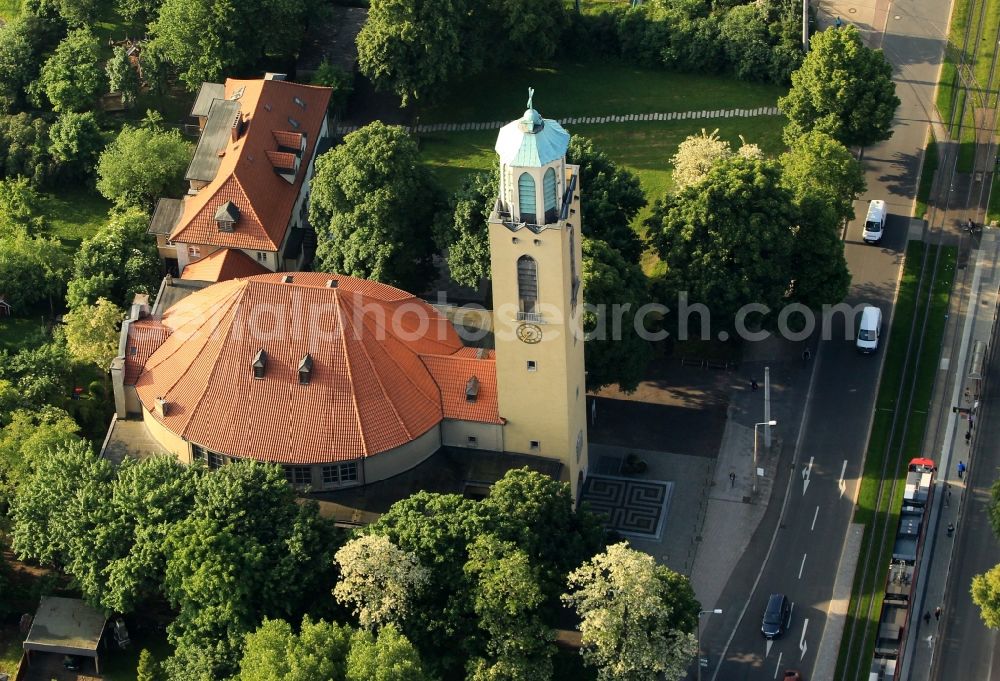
(244, 174)
(223, 265)
(381, 373)
(144, 337)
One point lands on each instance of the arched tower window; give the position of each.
(527, 283)
(549, 191)
(526, 198)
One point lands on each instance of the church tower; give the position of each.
(536, 261)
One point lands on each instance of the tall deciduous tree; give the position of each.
(507, 600)
(378, 580)
(614, 290)
(20, 208)
(388, 657)
(70, 79)
(118, 262)
(49, 504)
(24, 148)
(247, 529)
(92, 332)
(412, 48)
(122, 76)
(820, 168)
(464, 231)
(843, 88)
(637, 618)
(206, 39)
(141, 165)
(986, 594)
(727, 241)
(77, 141)
(276, 653)
(612, 196)
(27, 436)
(32, 269)
(372, 204)
(22, 43)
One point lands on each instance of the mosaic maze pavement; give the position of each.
(630, 507)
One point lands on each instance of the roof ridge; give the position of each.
(381, 384)
(350, 373)
(237, 293)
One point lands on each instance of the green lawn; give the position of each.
(597, 6)
(993, 210)
(927, 177)
(121, 665)
(10, 650)
(17, 333)
(74, 214)
(568, 89)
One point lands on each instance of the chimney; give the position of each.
(275, 76)
(331, 283)
(140, 306)
(162, 407)
(169, 280)
(287, 279)
(237, 128)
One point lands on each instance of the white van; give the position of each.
(870, 329)
(874, 222)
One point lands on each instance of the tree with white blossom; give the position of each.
(698, 154)
(378, 579)
(637, 618)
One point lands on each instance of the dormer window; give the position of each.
(259, 364)
(299, 102)
(472, 389)
(305, 369)
(294, 123)
(227, 216)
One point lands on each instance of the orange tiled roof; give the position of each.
(370, 390)
(452, 374)
(246, 176)
(223, 265)
(144, 336)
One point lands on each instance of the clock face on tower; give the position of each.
(529, 333)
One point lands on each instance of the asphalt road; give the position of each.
(813, 528)
(968, 650)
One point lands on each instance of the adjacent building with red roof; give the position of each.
(248, 183)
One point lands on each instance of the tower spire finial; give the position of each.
(531, 95)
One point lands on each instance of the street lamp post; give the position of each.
(717, 611)
(755, 427)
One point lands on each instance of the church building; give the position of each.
(346, 382)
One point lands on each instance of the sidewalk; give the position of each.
(734, 512)
(975, 323)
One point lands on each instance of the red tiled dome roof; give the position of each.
(369, 389)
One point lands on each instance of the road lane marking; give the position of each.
(777, 666)
(815, 515)
(802, 641)
(802, 565)
(767, 647)
(806, 472)
(840, 483)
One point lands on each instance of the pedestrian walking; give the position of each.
(753, 384)
(961, 469)
(937, 613)
(951, 532)
(927, 617)
(732, 480)
(839, 22)
(947, 495)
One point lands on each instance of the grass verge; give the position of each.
(567, 89)
(869, 590)
(927, 178)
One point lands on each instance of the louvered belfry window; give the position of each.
(527, 283)
(526, 198)
(549, 192)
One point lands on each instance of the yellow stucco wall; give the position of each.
(169, 440)
(548, 404)
(488, 436)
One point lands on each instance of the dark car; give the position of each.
(72, 663)
(792, 675)
(777, 616)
